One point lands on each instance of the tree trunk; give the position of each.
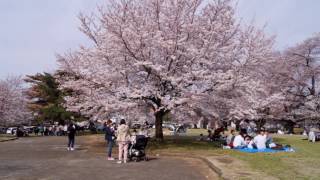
(313, 85)
(159, 118)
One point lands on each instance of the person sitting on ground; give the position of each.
(217, 133)
(249, 142)
(269, 140)
(201, 138)
(260, 140)
(230, 138)
(270, 144)
(239, 142)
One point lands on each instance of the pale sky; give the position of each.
(33, 31)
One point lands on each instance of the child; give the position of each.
(133, 137)
(249, 142)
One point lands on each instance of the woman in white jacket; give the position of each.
(123, 139)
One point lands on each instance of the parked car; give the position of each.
(29, 129)
(12, 130)
(99, 127)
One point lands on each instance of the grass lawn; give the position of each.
(302, 164)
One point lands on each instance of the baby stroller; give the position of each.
(137, 150)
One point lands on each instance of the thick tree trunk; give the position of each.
(159, 118)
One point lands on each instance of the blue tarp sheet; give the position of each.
(268, 150)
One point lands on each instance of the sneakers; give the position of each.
(68, 149)
(120, 162)
(110, 159)
(71, 149)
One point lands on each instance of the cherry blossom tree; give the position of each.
(300, 72)
(168, 54)
(13, 103)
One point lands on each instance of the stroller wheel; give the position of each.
(146, 158)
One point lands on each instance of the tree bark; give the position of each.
(313, 85)
(159, 119)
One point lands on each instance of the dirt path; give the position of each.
(47, 158)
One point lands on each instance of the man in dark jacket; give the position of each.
(71, 136)
(109, 134)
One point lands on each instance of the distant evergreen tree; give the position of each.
(46, 100)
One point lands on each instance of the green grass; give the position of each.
(302, 164)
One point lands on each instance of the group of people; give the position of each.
(120, 134)
(51, 130)
(123, 137)
(261, 141)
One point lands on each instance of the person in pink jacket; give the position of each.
(123, 139)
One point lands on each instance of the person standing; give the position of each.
(109, 135)
(65, 130)
(41, 129)
(36, 130)
(123, 139)
(71, 136)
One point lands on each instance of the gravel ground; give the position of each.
(47, 158)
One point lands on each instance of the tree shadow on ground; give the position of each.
(182, 143)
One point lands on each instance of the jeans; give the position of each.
(109, 147)
(70, 142)
(123, 151)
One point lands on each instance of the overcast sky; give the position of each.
(32, 31)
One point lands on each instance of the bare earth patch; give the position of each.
(96, 144)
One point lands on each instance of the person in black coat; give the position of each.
(109, 135)
(71, 136)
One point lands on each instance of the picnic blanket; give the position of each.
(268, 150)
